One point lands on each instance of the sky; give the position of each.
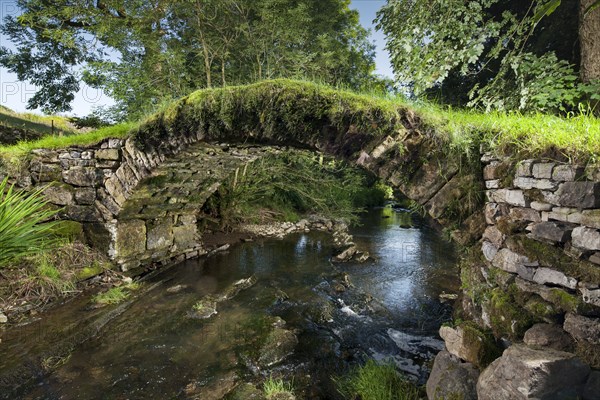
(14, 93)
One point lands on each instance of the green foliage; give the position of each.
(168, 50)
(285, 185)
(492, 49)
(23, 223)
(273, 387)
(377, 382)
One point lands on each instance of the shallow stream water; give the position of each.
(150, 348)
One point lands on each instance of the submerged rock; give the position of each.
(203, 309)
(246, 391)
(215, 390)
(527, 373)
(176, 288)
(279, 344)
(237, 287)
(452, 379)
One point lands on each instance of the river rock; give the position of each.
(203, 309)
(548, 335)
(583, 328)
(526, 373)
(279, 344)
(3, 318)
(451, 378)
(467, 343)
(247, 391)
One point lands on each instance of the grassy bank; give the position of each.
(297, 108)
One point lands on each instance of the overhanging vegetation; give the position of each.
(293, 109)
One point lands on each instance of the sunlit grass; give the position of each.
(273, 387)
(57, 142)
(116, 295)
(377, 382)
(298, 107)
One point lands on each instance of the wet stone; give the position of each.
(279, 344)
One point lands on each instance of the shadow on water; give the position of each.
(387, 309)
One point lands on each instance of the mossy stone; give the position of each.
(507, 318)
(70, 230)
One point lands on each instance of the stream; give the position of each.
(282, 310)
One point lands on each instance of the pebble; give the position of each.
(3, 318)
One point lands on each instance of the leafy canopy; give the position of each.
(145, 53)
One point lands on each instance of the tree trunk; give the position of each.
(224, 83)
(589, 40)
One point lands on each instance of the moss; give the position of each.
(564, 300)
(553, 257)
(509, 226)
(481, 343)
(541, 310)
(507, 318)
(91, 271)
(70, 230)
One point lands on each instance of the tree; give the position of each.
(496, 54)
(146, 52)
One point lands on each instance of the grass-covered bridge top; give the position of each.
(296, 109)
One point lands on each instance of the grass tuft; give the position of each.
(377, 382)
(273, 387)
(24, 229)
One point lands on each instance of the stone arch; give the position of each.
(106, 185)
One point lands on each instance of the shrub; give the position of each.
(24, 229)
(273, 387)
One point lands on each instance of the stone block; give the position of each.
(489, 250)
(540, 206)
(85, 196)
(494, 235)
(108, 154)
(590, 295)
(533, 183)
(550, 336)
(160, 234)
(592, 173)
(115, 189)
(524, 372)
(586, 238)
(542, 170)
(553, 231)
(496, 195)
(81, 176)
(42, 172)
(59, 194)
(451, 378)
(130, 238)
(545, 276)
(583, 328)
(496, 170)
(525, 214)
(185, 237)
(565, 214)
(595, 258)
(567, 172)
(524, 168)
(516, 198)
(590, 218)
(579, 194)
(509, 261)
(81, 213)
(493, 184)
(525, 272)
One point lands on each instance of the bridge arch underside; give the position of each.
(149, 205)
(157, 219)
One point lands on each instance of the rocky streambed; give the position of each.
(218, 327)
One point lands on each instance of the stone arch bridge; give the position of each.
(138, 202)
